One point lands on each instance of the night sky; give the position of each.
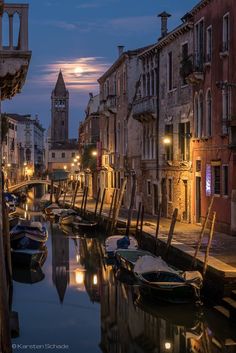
(81, 38)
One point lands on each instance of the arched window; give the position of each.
(209, 113)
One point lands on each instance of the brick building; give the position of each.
(214, 86)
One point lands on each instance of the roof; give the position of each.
(120, 60)
(26, 118)
(65, 146)
(60, 88)
(197, 8)
(162, 42)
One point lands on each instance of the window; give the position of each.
(170, 71)
(184, 141)
(170, 190)
(53, 154)
(73, 154)
(216, 179)
(169, 147)
(144, 85)
(62, 123)
(148, 187)
(225, 33)
(225, 177)
(198, 115)
(199, 46)
(209, 44)
(184, 61)
(63, 155)
(209, 113)
(225, 110)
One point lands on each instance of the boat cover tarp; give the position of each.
(152, 264)
(115, 242)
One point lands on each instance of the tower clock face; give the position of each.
(60, 103)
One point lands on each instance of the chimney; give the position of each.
(164, 21)
(120, 49)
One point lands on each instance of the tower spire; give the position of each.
(60, 88)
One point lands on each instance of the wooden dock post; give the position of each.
(209, 244)
(130, 212)
(118, 205)
(141, 225)
(97, 201)
(51, 191)
(171, 231)
(75, 194)
(199, 242)
(114, 195)
(158, 226)
(82, 202)
(102, 203)
(85, 200)
(138, 218)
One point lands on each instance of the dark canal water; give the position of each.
(76, 305)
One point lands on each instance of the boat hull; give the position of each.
(28, 259)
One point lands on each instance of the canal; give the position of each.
(75, 304)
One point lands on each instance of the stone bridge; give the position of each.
(31, 182)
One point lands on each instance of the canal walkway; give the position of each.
(223, 249)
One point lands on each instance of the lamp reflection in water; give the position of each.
(95, 280)
(80, 278)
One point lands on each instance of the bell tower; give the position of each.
(59, 111)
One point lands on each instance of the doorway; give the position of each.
(164, 197)
(198, 199)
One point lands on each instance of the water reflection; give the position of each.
(60, 262)
(120, 323)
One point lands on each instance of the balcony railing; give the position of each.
(14, 53)
(145, 108)
(12, 10)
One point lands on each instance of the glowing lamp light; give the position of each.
(77, 258)
(65, 167)
(95, 280)
(75, 160)
(168, 346)
(9, 165)
(72, 164)
(94, 153)
(79, 276)
(78, 157)
(167, 140)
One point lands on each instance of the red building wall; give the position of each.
(216, 150)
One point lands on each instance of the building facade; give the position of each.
(64, 156)
(119, 134)
(214, 83)
(10, 154)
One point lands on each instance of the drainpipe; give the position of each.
(157, 124)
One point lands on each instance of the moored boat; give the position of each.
(28, 275)
(69, 217)
(159, 281)
(49, 209)
(115, 242)
(127, 258)
(28, 258)
(28, 235)
(86, 226)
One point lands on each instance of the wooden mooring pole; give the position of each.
(131, 204)
(51, 191)
(75, 194)
(118, 205)
(97, 201)
(209, 244)
(199, 242)
(102, 203)
(138, 218)
(85, 200)
(158, 226)
(114, 195)
(82, 202)
(171, 231)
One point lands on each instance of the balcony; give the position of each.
(144, 109)
(197, 74)
(14, 59)
(109, 104)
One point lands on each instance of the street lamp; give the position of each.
(94, 153)
(167, 140)
(65, 167)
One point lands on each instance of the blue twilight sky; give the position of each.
(80, 37)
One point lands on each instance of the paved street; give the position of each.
(223, 245)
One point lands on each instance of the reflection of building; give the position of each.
(60, 263)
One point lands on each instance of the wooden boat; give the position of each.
(28, 235)
(116, 242)
(13, 221)
(28, 275)
(86, 226)
(48, 210)
(126, 259)
(159, 281)
(69, 217)
(28, 258)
